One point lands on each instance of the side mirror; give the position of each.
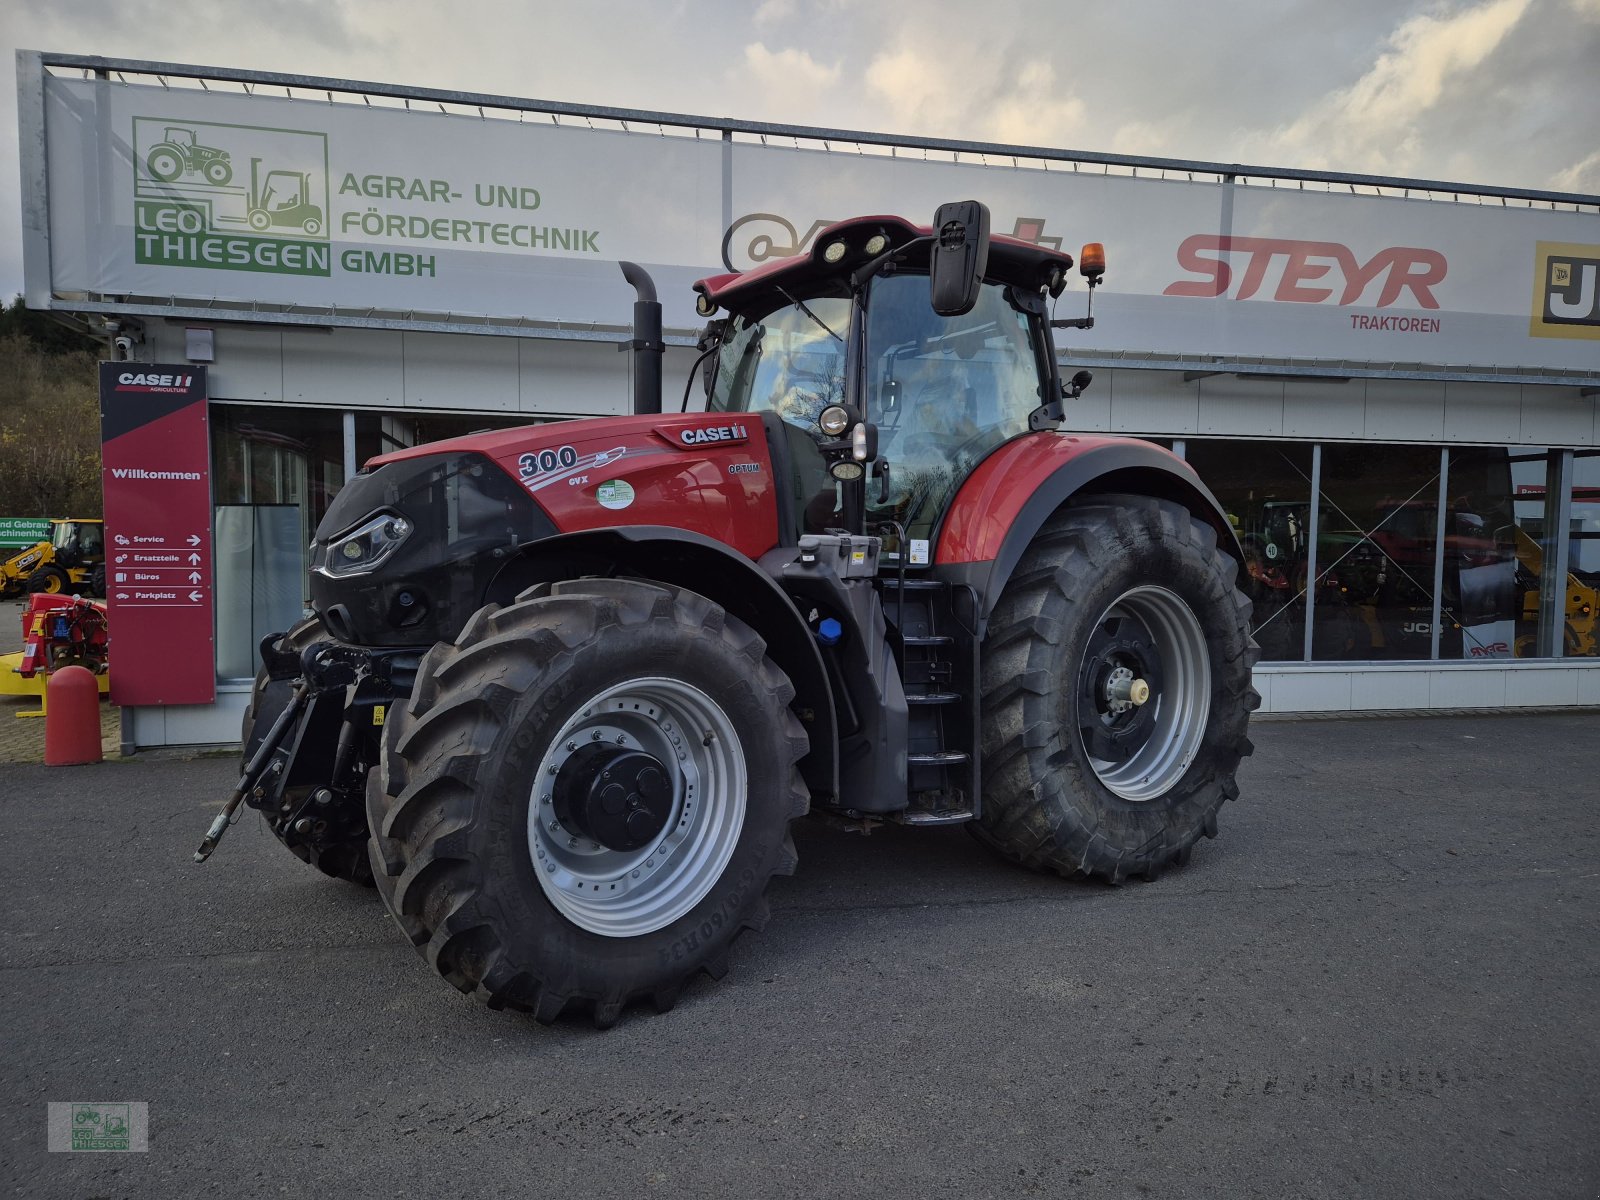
(959, 257)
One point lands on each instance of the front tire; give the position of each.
(1118, 598)
(50, 580)
(498, 844)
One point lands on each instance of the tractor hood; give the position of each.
(409, 546)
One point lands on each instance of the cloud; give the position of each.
(1373, 123)
(773, 11)
(974, 93)
(787, 68)
(1580, 176)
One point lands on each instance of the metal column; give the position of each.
(1557, 549)
(349, 446)
(1438, 551)
(1311, 547)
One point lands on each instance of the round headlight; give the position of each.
(876, 244)
(351, 550)
(847, 471)
(704, 305)
(833, 252)
(834, 420)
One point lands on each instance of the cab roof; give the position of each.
(1011, 260)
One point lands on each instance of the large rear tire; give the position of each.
(1116, 692)
(347, 862)
(50, 580)
(493, 831)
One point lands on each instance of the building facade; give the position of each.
(1390, 385)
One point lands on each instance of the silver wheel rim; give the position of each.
(1179, 702)
(628, 893)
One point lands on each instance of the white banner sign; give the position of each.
(200, 196)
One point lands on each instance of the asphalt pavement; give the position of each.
(1380, 981)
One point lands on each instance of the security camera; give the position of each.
(124, 345)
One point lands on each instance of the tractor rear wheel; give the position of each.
(586, 795)
(1116, 692)
(50, 580)
(165, 163)
(346, 862)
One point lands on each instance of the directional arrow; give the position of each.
(195, 577)
(197, 596)
(194, 560)
(194, 540)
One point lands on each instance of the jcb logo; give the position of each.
(1566, 291)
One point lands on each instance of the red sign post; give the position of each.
(156, 473)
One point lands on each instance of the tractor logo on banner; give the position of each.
(1566, 291)
(230, 197)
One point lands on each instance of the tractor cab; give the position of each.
(889, 397)
(180, 136)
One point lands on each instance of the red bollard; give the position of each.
(71, 718)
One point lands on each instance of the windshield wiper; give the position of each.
(810, 314)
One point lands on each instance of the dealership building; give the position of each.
(1392, 386)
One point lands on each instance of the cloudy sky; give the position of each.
(1482, 91)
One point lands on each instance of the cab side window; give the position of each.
(944, 391)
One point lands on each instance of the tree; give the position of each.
(49, 419)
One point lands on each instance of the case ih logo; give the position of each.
(1566, 291)
(713, 433)
(131, 381)
(1307, 272)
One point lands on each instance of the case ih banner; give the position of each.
(200, 196)
(156, 472)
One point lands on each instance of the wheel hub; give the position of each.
(636, 806)
(1125, 690)
(617, 797)
(1144, 693)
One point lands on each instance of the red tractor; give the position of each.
(567, 686)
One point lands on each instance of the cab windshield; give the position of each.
(943, 391)
(791, 362)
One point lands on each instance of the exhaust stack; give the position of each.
(646, 343)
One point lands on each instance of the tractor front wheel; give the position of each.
(97, 580)
(1116, 692)
(586, 796)
(50, 580)
(218, 171)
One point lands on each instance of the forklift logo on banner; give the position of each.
(230, 197)
(1566, 291)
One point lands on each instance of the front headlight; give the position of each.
(367, 545)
